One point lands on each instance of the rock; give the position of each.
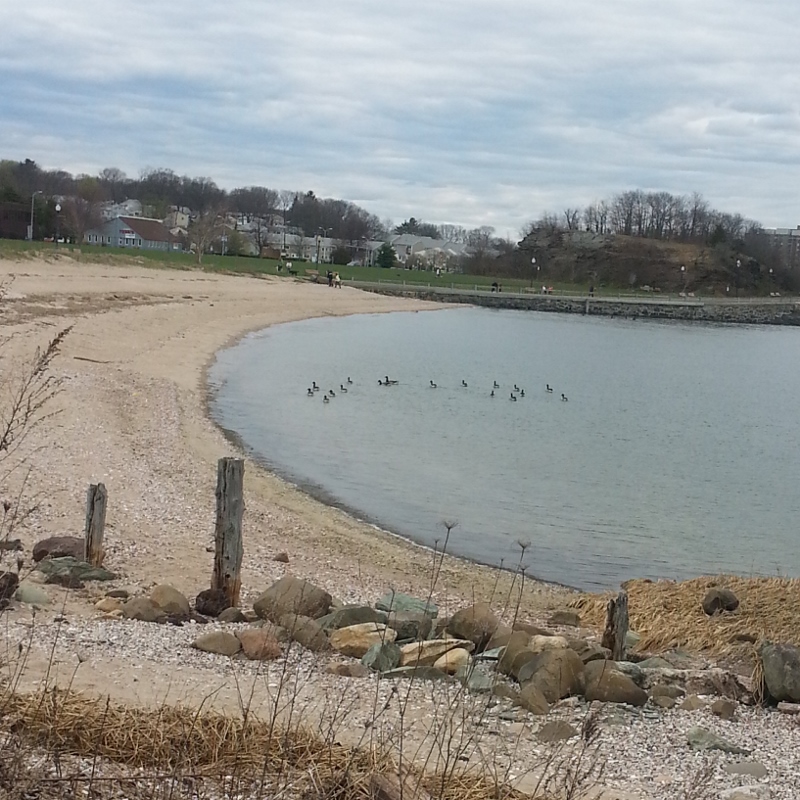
(121, 594)
(220, 643)
(32, 595)
(305, 631)
(632, 671)
(781, 663)
(409, 625)
(719, 600)
(753, 769)
(292, 595)
(452, 660)
(11, 545)
(282, 558)
(557, 731)
(66, 580)
(570, 619)
(109, 605)
(540, 643)
(74, 569)
(692, 703)
(517, 642)
(667, 690)
(506, 692)
(356, 640)
(169, 600)
(143, 609)
(211, 602)
(632, 639)
(351, 670)
(427, 653)
(351, 615)
(477, 624)
(500, 638)
(522, 658)
(655, 663)
(753, 792)
(662, 701)
(701, 739)
(724, 708)
(60, 546)
(258, 644)
(382, 657)
(531, 699)
(397, 601)
(419, 672)
(556, 673)
(230, 614)
(475, 679)
(612, 686)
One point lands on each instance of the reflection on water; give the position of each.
(675, 454)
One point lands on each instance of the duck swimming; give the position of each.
(464, 384)
(492, 394)
(331, 393)
(513, 397)
(389, 382)
(564, 397)
(549, 389)
(496, 385)
(433, 385)
(522, 393)
(349, 381)
(325, 399)
(310, 392)
(341, 388)
(314, 386)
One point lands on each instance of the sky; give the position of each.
(467, 112)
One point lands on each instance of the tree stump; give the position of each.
(228, 547)
(96, 500)
(616, 626)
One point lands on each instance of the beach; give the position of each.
(132, 413)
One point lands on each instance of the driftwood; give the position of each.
(616, 626)
(228, 547)
(96, 500)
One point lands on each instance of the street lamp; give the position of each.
(534, 264)
(30, 229)
(58, 222)
(738, 268)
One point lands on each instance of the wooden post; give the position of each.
(228, 532)
(96, 499)
(616, 626)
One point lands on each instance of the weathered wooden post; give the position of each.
(228, 532)
(96, 499)
(616, 626)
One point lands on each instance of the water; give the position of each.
(675, 455)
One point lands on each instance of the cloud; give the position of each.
(467, 112)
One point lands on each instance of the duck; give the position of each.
(341, 388)
(314, 386)
(433, 385)
(325, 399)
(464, 384)
(492, 393)
(349, 381)
(522, 393)
(564, 397)
(496, 385)
(516, 388)
(310, 392)
(389, 382)
(331, 393)
(549, 389)
(380, 382)
(513, 397)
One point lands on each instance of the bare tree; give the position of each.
(204, 229)
(572, 216)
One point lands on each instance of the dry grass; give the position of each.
(669, 614)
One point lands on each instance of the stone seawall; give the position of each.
(754, 312)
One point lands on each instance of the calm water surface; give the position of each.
(675, 455)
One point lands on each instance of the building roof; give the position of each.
(151, 230)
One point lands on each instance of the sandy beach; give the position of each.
(132, 414)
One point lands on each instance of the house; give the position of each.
(787, 242)
(424, 249)
(128, 208)
(137, 232)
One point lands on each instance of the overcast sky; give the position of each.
(472, 112)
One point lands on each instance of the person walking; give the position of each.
(330, 278)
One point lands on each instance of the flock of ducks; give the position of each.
(515, 394)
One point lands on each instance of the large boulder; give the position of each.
(718, 599)
(9, 582)
(477, 623)
(32, 595)
(501, 637)
(397, 601)
(351, 615)
(59, 546)
(212, 602)
(410, 626)
(452, 660)
(305, 631)
(556, 673)
(426, 654)
(382, 657)
(531, 699)
(702, 739)
(356, 640)
(143, 609)
(565, 618)
(258, 644)
(230, 614)
(73, 570)
(169, 600)
(291, 595)
(781, 664)
(604, 682)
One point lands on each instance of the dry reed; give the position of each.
(668, 614)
